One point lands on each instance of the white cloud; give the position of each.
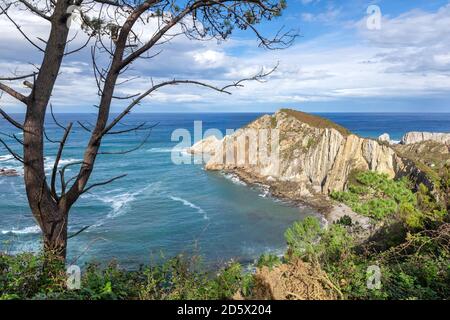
(325, 17)
(408, 57)
(414, 42)
(209, 58)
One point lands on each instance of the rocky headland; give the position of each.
(317, 157)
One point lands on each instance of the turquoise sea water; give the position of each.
(163, 208)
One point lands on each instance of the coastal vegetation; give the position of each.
(378, 197)
(315, 121)
(411, 250)
(114, 32)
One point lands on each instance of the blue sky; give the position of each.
(337, 65)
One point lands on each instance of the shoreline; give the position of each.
(319, 203)
(326, 209)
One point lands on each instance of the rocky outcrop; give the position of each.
(427, 163)
(8, 172)
(314, 155)
(207, 145)
(416, 137)
(384, 138)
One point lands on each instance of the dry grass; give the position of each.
(296, 280)
(316, 121)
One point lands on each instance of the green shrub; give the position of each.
(307, 240)
(21, 277)
(378, 197)
(302, 237)
(268, 260)
(345, 221)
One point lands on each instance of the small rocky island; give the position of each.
(318, 157)
(4, 172)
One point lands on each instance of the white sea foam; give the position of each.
(6, 157)
(234, 178)
(50, 161)
(120, 202)
(8, 161)
(191, 205)
(26, 230)
(165, 150)
(265, 191)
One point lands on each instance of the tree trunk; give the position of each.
(50, 215)
(55, 238)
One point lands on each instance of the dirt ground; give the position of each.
(294, 281)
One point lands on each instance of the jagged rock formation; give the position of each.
(8, 172)
(431, 153)
(316, 156)
(415, 137)
(428, 163)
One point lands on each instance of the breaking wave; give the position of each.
(26, 230)
(234, 178)
(191, 205)
(120, 202)
(9, 162)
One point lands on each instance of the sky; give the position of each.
(345, 60)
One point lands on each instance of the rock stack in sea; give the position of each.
(8, 172)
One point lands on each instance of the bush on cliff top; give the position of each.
(417, 268)
(377, 196)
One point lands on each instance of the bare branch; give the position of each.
(4, 11)
(78, 232)
(103, 183)
(14, 154)
(13, 136)
(257, 77)
(134, 55)
(136, 128)
(54, 118)
(58, 158)
(35, 10)
(131, 96)
(79, 48)
(84, 127)
(28, 84)
(129, 150)
(13, 93)
(11, 120)
(18, 77)
(48, 139)
(62, 172)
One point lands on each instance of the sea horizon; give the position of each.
(249, 112)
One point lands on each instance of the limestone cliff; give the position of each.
(416, 137)
(315, 155)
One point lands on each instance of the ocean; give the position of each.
(161, 209)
